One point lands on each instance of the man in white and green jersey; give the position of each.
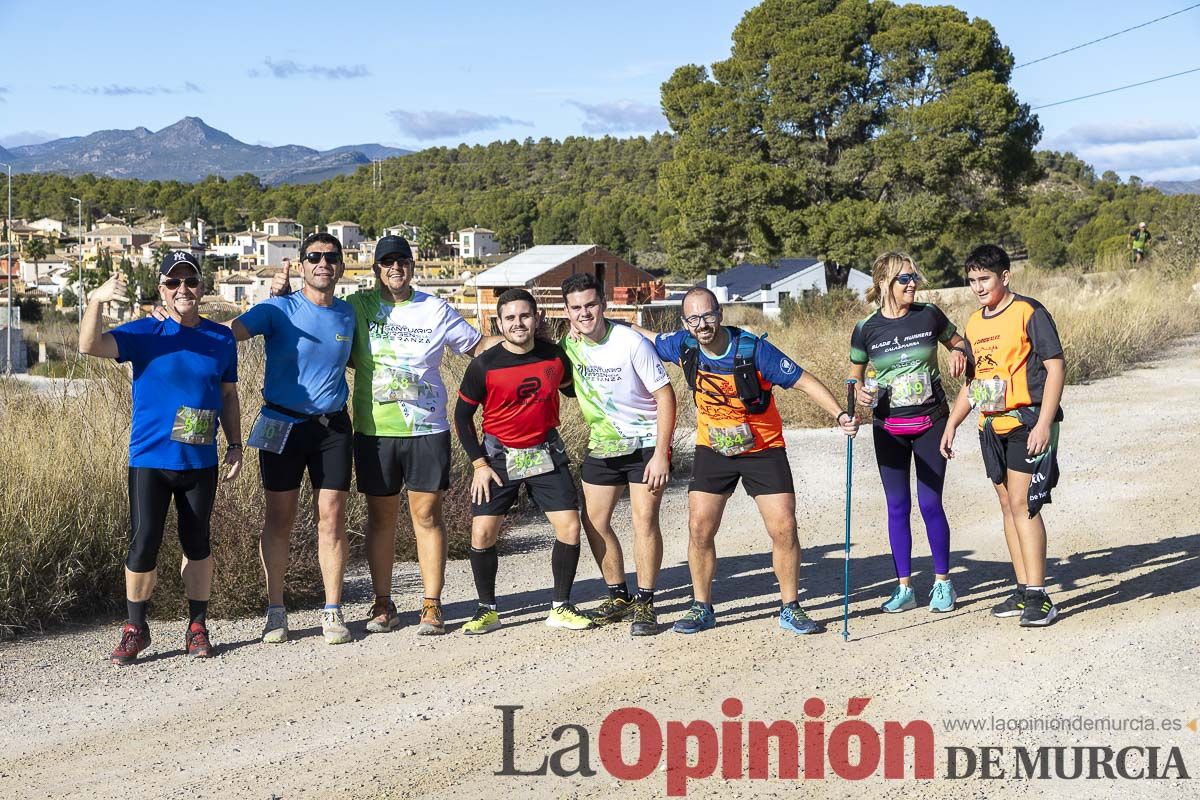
(401, 434)
(629, 405)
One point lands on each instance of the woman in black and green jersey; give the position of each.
(899, 340)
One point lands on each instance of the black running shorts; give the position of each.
(150, 494)
(1016, 450)
(551, 491)
(326, 451)
(618, 471)
(386, 464)
(761, 472)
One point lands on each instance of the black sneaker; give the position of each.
(645, 620)
(613, 609)
(1039, 611)
(1011, 606)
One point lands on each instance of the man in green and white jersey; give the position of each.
(401, 434)
(629, 405)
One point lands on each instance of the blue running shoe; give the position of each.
(796, 621)
(942, 597)
(700, 617)
(903, 598)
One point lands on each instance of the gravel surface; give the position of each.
(400, 716)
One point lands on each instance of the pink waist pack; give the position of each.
(907, 426)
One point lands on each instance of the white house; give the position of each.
(273, 249)
(47, 225)
(236, 289)
(347, 233)
(409, 232)
(281, 226)
(477, 242)
(46, 266)
(858, 282)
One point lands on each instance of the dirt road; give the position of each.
(397, 716)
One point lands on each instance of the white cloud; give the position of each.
(425, 125)
(19, 138)
(620, 116)
(1153, 150)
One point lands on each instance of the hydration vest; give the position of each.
(745, 374)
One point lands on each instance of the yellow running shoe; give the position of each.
(485, 619)
(565, 616)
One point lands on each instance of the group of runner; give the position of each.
(394, 337)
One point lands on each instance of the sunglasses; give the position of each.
(332, 259)
(392, 261)
(905, 278)
(173, 283)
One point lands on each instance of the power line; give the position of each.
(1109, 36)
(1118, 89)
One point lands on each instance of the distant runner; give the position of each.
(1015, 360)
(900, 340)
(1139, 242)
(304, 426)
(627, 400)
(517, 383)
(184, 382)
(739, 436)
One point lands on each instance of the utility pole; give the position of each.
(9, 278)
(79, 244)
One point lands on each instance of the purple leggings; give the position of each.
(894, 454)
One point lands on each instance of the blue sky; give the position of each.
(415, 74)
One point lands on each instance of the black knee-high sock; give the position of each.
(564, 560)
(136, 612)
(484, 565)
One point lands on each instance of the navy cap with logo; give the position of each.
(174, 258)
(392, 246)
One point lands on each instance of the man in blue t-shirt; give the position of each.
(184, 381)
(304, 426)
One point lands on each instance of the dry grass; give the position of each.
(65, 511)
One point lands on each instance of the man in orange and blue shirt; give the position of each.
(739, 436)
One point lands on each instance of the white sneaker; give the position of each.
(333, 627)
(276, 629)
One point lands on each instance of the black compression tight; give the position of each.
(150, 494)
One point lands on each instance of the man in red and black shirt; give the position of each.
(517, 384)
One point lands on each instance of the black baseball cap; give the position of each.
(174, 258)
(392, 246)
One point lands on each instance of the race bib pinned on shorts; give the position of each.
(391, 385)
(912, 389)
(988, 394)
(615, 448)
(731, 441)
(194, 426)
(269, 434)
(527, 462)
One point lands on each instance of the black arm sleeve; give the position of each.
(464, 423)
(567, 387)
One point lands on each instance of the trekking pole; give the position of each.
(850, 383)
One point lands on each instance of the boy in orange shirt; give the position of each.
(1015, 361)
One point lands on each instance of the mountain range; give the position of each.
(1177, 187)
(189, 150)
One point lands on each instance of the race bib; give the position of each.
(913, 389)
(390, 385)
(269, 434)
(527, 462)
(194, 426)
(988, 395)
(731, 441)
(614, 448)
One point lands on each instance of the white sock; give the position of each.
(1032, 588)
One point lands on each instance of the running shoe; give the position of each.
(384, 618)
(1011, 606)
(276, 628)
(333, 626)
(796, 621)
(485, 619)
(432, 621)
(699, 617)
(645, 620)
(942, 596)
(613, 609)
(1039, 611)
(568, 617)
(195, 641)
(903, 599)
(133, 641)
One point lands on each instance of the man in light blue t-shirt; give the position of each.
(304, 426)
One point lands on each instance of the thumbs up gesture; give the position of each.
(281, 284)
(112, 290)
